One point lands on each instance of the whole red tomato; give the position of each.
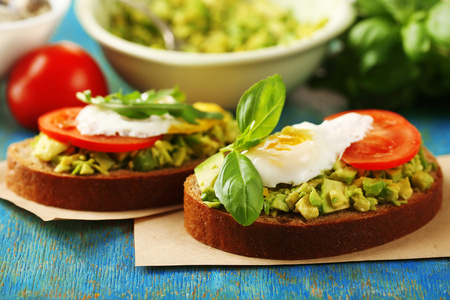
(48, 78)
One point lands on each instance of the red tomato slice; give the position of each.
(60, 125)
(392, 142)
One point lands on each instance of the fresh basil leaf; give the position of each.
(244, 141)
(400, 10)
(119, 98)
(190, 114)
(141, 111)
(416, 41)
(438, 24)
(134, 98)
(153, 95)
(132, 112)
(86, 96)
(140, 106)
(260, 107)
(239, 188)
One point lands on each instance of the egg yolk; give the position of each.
(202, 124)
(288, 137)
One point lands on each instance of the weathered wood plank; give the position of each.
(95, 260)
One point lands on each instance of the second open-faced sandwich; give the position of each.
(357, 180)
(120, 152)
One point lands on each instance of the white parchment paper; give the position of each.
(162, 241)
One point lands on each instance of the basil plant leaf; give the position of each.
(244, 141)
(260, 107)
(416, 41)
(152, 95)
(140, 106)
(189, 113)
(438, 24)
(239, 188)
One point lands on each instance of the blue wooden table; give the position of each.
(95, 260)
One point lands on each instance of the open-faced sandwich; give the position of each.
(357, 180)
(119, 152)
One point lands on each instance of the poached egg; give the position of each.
(301, 152)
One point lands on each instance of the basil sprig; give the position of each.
(136, 105)
(239, 186)
(258, 111)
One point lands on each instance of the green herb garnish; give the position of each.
(395, 54)
(239, 186)
(136, 105)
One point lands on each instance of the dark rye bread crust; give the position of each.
(289, 237)
(120, 190)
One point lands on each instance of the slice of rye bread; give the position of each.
(120, 190)
(288, 236)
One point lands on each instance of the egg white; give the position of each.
(95, 120)
(298, 154)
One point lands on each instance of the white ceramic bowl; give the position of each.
(21, 36)
(218, 77)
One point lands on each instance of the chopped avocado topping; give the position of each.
(46, 148)
(279, 202)
(207, 171)
(373, 187)
(83, 167)
(306, 208)
(315, 199)
(163, 148)
(360, 202)
(104, 162)
(173, 150)
(395, 174)
(343, 172)
(390, 192)
(209, 198)
(332, 194)
(422, 180)
(406, 190)
(413, 166)
(344, 187)
(145, 161)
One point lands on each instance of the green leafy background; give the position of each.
(396, 55)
